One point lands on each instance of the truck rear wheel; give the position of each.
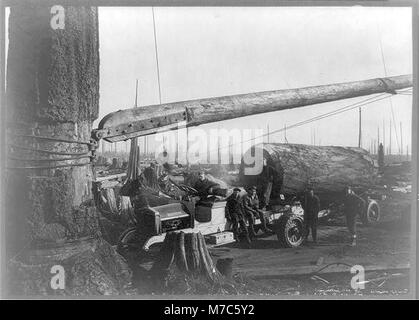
(372, 214)
(290, 230)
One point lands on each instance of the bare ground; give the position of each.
(383, 250)
(323, 269)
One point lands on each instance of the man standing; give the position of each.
(150, 175)
(234, 213)
(353, 205)
(251, 208)
(311, 206)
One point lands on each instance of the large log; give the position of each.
(327, 169)
(134, 122)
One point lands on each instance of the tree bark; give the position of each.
(53, 91)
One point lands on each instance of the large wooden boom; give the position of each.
(135, 122)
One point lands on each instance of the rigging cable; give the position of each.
(385, 74)
(157, 54)
(53, 139)
(15, 146)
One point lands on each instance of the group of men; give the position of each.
(246, 208)
(353, 205)
(242, 209)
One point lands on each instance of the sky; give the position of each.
(215, 51)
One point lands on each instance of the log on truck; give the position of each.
(291, 169)
(295, 167)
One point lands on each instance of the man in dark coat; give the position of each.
(150, 175)
(169, 188)
(203, 185)
(353, 205)
(311, 206)
(251, 209)
(205, 189)
(234, 213)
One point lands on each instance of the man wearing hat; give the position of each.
(251, 208)
(353, 205)
(234, 213)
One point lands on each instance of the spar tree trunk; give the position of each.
(53, 91)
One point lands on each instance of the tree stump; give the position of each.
(184, 265)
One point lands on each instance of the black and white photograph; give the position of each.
(209, 151)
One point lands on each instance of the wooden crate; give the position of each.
(220, 238)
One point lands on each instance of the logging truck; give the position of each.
(187, 215)
(327, 169)
(285, 216)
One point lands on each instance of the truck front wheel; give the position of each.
(290, 231)
(130, 239)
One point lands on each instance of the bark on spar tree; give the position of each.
(53, 91)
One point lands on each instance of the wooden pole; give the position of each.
(359, 129)
(218, 151)
(384, 138)
(177, 150)
(401, 139)
(390, 150)
(134, 122)
(136, 93)
(187, 147)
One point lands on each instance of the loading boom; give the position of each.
(129, 123)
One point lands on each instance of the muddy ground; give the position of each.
(324, 269)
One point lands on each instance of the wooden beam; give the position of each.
(134, 122)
